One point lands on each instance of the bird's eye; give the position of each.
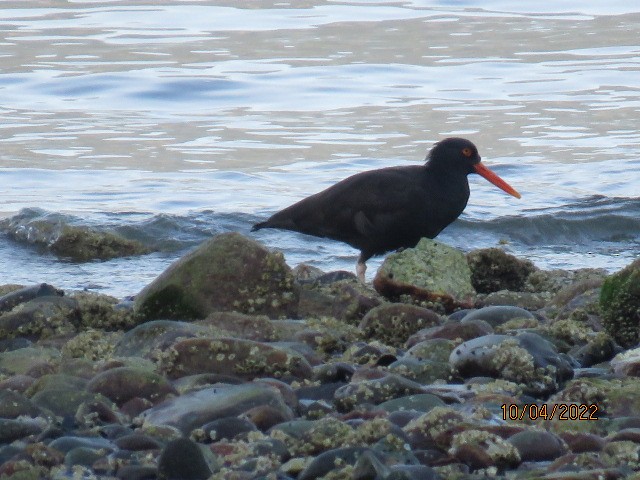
(467, 152)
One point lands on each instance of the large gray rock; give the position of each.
(430, 272)
(227, 273)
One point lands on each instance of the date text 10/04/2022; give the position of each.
(559, 411)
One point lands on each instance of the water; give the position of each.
(173, 121)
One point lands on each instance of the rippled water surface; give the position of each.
(188, 118)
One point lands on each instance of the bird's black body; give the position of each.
(390, 208)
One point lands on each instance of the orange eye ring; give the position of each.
(467, 152)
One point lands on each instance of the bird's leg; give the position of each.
(361, 267)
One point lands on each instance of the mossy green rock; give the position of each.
(227, 273)
(620, 305)
(431, 271)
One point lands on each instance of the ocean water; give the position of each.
(172, 121)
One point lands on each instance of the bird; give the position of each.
(391, 208)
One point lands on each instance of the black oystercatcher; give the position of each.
(391, 208)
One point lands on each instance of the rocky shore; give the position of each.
(231, 365)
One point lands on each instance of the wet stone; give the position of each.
(374, 391)
(250, 327)
(197, 408)
(497, 315)
(182, 459)
(421, 371)
(431, 272)
(492, 269)
(538, 446)
(228, 428)
(149, 338)
(42, 317)
(419, 402)
(525, 358)
(14, 405)
(124, 383)
(326, 462)
(230, 272)
(395, 323)
(238, 357)
(452, 330)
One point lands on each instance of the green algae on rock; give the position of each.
(431, 272)
(226, 273)
(620, 305)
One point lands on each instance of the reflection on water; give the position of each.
(172, 106)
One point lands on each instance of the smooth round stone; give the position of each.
(16, 429)
(13, 405)
(374, 391)
(394, 323)
(147, 337)
(326, 462)
(64, 402)
(497, 315)
(454, 331)
(438, 349)
(521, 359)
(199, 407)
(137, 441)
(538, 445)
(421, 371)
(228, 428)
(67, 443)
(82, 456)
(183, 459)
(124, 383)
(422, 402)
(243, 358)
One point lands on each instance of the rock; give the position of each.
(538, 445)
(627, 364)
(345, 300)
(17, 429)
(228, 428)
(65, 402)
(480, 450)
(374, 391)
(327, 462)
(15, 405)
(234, 356)
(421, 402)
(84, 244)
(197, 408)
(394, 323)
(78, 243)
(492, 270)
(183, 459)
(452, 330)
(497, 315)
(227, 273)
(430, 272)
(620, 305)
(22, 295)
(526, 300)
(150, 339)
(42, 317)
(26, 360)
(124, 383)
(250, 327)
(525, 358)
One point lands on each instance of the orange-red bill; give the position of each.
(495, 179)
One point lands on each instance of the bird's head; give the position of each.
(461, 155)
